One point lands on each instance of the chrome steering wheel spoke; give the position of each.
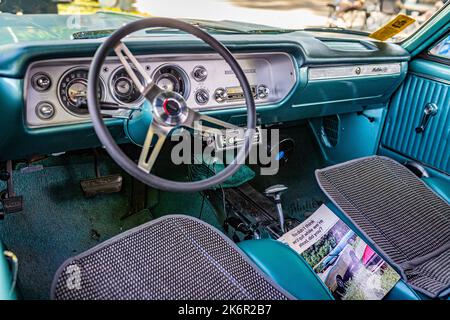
(149, 89)
(196, 121)
(149, 154)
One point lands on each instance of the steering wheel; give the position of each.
(168, 110)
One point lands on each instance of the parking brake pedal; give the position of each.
(10, 201)
(101, 184)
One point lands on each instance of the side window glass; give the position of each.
(442, 49)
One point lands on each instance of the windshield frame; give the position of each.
(413, 41)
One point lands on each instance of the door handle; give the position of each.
(429, 111)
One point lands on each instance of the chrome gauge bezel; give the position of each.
(34, 84)
(102, 90)
(183, 74)
(113, 92)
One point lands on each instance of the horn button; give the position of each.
(170, 108)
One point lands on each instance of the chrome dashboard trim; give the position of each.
(353, 71)
(278, 69)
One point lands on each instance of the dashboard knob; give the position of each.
(41, 82)
(199, 73)
(220, 95)
(45, 110)
(201, 96)
(262, 91)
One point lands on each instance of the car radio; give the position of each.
(236, 93)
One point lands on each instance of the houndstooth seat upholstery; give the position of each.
(174, 257)
(399, 213)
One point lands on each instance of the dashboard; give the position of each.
(55, 90)
(294, 76)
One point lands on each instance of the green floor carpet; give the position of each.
(58, 222)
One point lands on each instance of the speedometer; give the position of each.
(172, 78)
(72, 90)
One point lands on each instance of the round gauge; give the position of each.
(72, 90)
(172, 78)
(124, 90)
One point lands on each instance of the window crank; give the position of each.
(429, 111)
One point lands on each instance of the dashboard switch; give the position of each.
(199, 73)
(262, 91)
(220, 95)
(201, 96)
(45, 110)
(41, 82)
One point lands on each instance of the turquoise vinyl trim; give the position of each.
(431, 147)
(402, 291)
(357, 136)
(402, 159)
(309, 100)
(137, 127)
(350, 91)
(434, 70)
(288, 269)
(440, 186)
(437, 26)
(18, 141)
(14, 58)
(5, 278)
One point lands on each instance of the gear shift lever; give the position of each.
(275, 193)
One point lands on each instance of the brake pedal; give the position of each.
(101, 185)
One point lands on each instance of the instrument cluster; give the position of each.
(56, 90)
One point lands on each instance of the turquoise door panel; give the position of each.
(424, 84)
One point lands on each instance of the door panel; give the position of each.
(424, 84)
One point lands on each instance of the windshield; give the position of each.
(346, 15)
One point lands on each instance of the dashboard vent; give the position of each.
(348, 45)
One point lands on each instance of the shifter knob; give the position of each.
(275, 192)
